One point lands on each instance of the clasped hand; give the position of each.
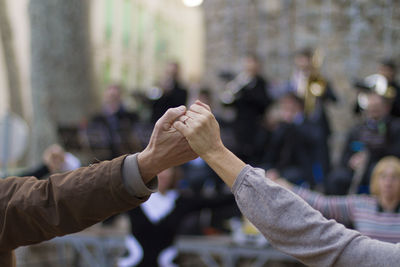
(180, 135)
(200, 128)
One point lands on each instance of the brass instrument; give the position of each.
(316, 85)
(376, 83)
(233, 88)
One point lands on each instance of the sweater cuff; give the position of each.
(240, 178)
(133, 181)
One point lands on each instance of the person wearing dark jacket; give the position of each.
(110, 132)
(316, 92)
(249, 98)
(294, 142)
(173, 93)
(376, 137)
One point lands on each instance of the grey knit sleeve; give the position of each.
(295, 228)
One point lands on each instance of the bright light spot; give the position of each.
(192, 3)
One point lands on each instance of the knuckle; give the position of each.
(170, 111)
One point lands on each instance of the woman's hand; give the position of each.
(201, 129)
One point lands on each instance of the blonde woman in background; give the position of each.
(376, 215)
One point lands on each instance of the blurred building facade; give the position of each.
(67, 52)
(133, 40)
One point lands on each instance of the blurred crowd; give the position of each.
(282, 128)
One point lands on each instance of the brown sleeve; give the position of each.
(34, 210)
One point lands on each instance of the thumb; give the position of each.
(181, 127)
(170, 116)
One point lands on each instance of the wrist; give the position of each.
(225, 164)
(147, 164)
(211, 155)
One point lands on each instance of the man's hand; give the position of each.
(167, 146)
(201, 129)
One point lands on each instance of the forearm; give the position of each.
(225, 164)
(36, 210)
(295, 228)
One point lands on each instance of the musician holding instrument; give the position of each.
(247, 94)
(377, 136)
(309, 84)
(383, 83)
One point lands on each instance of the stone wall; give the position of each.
(352, 35)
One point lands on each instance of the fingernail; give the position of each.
(181, 108)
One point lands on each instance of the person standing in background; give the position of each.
(248, 96)
(110, 132)
(172, 94)
(315, 90)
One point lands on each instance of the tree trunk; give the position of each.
(12, 71)
(60, 67)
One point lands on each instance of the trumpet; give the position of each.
(233, 88)
(316, 85)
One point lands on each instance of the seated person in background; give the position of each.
(55, 160)
(293, 144)
(110, 133)
(376, 216)
(287, 221)
(32, 211)
(156, 222)
(376, 137)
